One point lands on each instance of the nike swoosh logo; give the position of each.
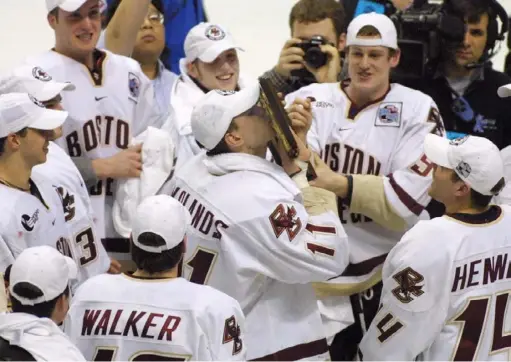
(99, 98)
(344, 129)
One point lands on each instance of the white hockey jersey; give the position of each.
(124, 318)
(384, 138)
(252, 239)
(85, 246)
(26, 221)
(446, 289)
(109, 106)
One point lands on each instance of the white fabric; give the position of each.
(385, 26)
(206, 41)
(66, 5)
(402, 119)
(504, 197)
(45, 268)
(164, 216)
(256, 243)
(184, 96)
(40, 337)
(85, 246)
(34, 81)
(20, 110)
(157, 166)
(476, 160)
(504, 91)
(445, 293)
(215, 111)
(176, 318)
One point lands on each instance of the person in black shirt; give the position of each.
(464, 85)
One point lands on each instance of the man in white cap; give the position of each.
(86, 247)
(446, 285)
(369, 133)
(256, 234)
(153, 313)
(34, 214)
(113, 102)
(39, 290)
(211, 62)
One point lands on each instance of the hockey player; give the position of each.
(153, 314)
(446, 285)
(252, 236)
(369, 134)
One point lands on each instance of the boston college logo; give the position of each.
(214, 32)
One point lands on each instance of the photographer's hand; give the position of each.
(329, 73)
(291, 58)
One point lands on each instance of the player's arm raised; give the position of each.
(414, 301)
(395, 200)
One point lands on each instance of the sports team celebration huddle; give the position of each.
(348, 204)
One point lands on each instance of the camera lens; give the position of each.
(315, 58)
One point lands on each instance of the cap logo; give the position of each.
(36, 102)
(458, 141)
(213, 32)
(463, 169)
(40, 74)
(225, 92)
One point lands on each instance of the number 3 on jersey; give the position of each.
(201, 264)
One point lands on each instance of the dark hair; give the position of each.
(471, 9)
(21, 133)
(155, 262)
(370, 30)
(55, 13)
(313, 11)
(478, 200)
(30, 291)
(158, 4)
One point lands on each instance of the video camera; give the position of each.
(424, 32)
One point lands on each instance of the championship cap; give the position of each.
(215, 111)
(21, 110)
(476, 160)
(206, 41)
(34, 81)
(45, 268)
(164, 216)
(66, 5)
(504, 91)
(385, 26)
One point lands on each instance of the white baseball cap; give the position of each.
(215, 111)
(504, 91)
(206, 41)
(45, 268)
(385, 26)
(21, 110)
(34, 81)
(164, 216)
(66, 5)
(476, 160)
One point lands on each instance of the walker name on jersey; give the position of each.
(345, 159)
(101, 131)
(203, 219)
(482, 272)
(135, 323)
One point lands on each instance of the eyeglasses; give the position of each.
(155, 18)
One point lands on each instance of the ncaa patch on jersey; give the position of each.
(389, 114)
(134, 85)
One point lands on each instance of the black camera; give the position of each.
(314, 57)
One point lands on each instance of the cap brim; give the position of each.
(49, 119)
(214, 51)
(72, 5)
(51, 90)
(504, 91)
(72, 268)
(436, 149)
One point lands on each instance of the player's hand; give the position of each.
(288, 164)
(291, 58)
(115, 267)
(328, 179)
(300, 113)
(329, 73)
(127, 163)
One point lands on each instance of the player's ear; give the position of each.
(233, 139)
(395, 57)
(192, 70)
(341, 44)
(52, 20)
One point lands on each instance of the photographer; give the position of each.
(463, 83)
(313, 53)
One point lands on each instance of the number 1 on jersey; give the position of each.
(201, 263)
